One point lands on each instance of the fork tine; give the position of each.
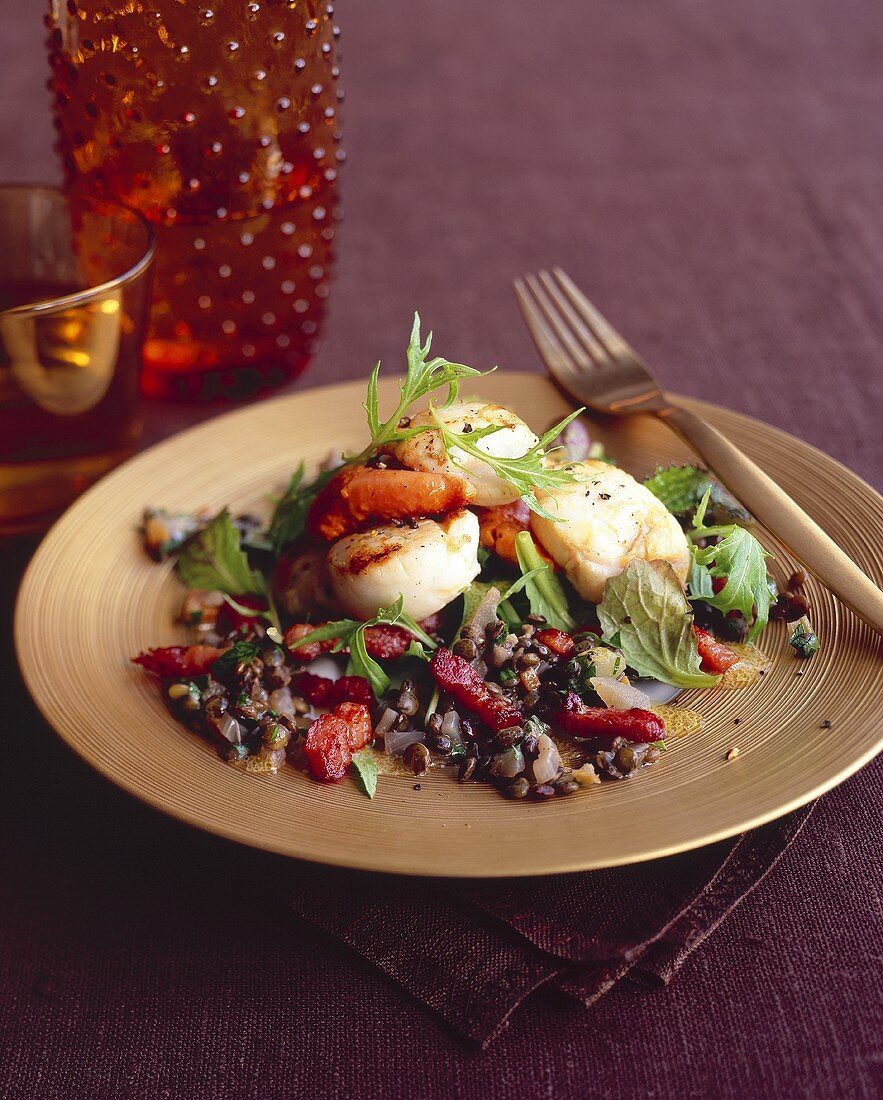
(600, 326)
(572, 321)
(551, 351)
(563, 331)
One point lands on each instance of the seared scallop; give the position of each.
(426, 451)
(428, 564)
(605, 519)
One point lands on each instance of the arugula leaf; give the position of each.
(544, 591)
(288, 522)
(526, 472)
(350, 634)
(215, 560)
(365, 767)
(681, 488)
(646, 611)
(422, 377)
(738, 557)
(239, 651)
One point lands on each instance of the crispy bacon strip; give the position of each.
(180, 660)
(460, 679)
(590, 723)
(361, 493)
(716, 657)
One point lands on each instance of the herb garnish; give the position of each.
(290, 514)
(803, 638)
(526, 472)
(422, 377)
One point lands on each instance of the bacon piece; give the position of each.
(327, 748)
(358, 721)
(308, 652)
(353, 689)
(360, 493)
(322, 691)
(499, 526)
(460, 679)
(180, 660)
(603, 723)
(556, 640)
(716, 657)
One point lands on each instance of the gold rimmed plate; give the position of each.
(91, 599)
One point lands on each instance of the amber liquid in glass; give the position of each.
(219, 123)
(68, 399)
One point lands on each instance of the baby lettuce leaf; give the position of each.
(544, 591)
(738, 557)
(681, 488)
(365, 767)
(215, 560)
(645, 612)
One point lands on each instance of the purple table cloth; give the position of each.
(712, 174)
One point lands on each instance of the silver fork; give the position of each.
(594, 364)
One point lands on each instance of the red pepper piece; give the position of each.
(460, 679)
(358, 721)
(352, 689)
(327, 748)
(180, 660)
(718, 584)
(315, 689)
(716, 657)
(588, 723)
(556, 640)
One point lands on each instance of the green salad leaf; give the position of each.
(544, 591)
(681, 488)
(239, 651)
(365, 767)
(738, 557)
(645, 610)
(215, 560)
(288, 522)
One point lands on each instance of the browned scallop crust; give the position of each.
(360, 493)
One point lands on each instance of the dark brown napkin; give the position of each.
(473, 952)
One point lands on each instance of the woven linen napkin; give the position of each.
(472, 952)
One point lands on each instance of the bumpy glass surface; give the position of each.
(220, 123)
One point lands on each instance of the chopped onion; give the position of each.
(508, 764)
(386, 721)
(450, 727)
(228, 727)
(548, 762)
(620, 696)
(607, 662)
(486, 611)
(281, 701)
(396, 741)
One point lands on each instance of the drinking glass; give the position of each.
(74, 295)
(219, 122)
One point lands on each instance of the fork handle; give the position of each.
(780, 515)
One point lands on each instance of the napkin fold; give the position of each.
(473, 952)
